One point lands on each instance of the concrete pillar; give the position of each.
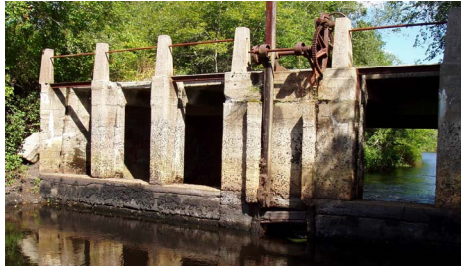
(342, 56)
(163, 118)
(46, 67)
(337, 136)
(106, 117)
(52, 112)
(241, 59)
(241, 131)
(448, 186)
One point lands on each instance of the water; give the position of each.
(414, 184)
(45, 235)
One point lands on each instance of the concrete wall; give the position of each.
(448, 187)
(293, 138)
(383, 221)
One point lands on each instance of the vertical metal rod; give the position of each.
(268, 103)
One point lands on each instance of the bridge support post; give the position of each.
(52, 112)
(107, 117)
(448, 184)
(164, 116)
(241, 138)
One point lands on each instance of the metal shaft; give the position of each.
(396, 26)
(268, 103)
(203, 42)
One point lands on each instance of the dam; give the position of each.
(190, 147)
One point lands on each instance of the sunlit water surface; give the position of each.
(414, 184)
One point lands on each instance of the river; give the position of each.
(58, 235)
(413, 184)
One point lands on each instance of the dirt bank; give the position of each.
(25, 190)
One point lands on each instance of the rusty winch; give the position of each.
(318, 54)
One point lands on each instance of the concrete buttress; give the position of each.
(448, 186)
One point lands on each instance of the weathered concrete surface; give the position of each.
(166, 136)
(200, 203)
(241, 60)
(287, 142)
(52, 112)
(253, 149)
(75, 151)
(107, 130)
(337, 136)
(241, 92)
(386, 221)
(342, 56)
(107, 111)
(448, 185)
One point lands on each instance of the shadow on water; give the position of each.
(43, 235)
(414, 184)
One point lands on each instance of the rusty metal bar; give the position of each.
(202, 77)
(204, 42)
(396, 26)
(71, 84)
(74, 55)
(131, 49)
(286, 53)
(276, 50)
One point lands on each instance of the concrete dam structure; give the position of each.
(189, 147)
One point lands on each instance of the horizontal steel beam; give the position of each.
(71, 84)
(398, 69)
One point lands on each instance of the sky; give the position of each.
(401, 43)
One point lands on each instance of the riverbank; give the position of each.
(24, 189)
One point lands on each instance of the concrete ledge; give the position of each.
(180, 189)
(386, 221)
(136, 195)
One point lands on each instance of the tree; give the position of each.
(421, 11)
(390, 148)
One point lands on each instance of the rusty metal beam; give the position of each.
(74, 55)
(71, 84)
(275, 50)
(398, 69)
(397, 26)
(202, 77)
(204, 42)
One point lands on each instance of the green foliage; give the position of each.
(21, 119)
(389, 148)
(36, 187)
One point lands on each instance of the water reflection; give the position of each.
(57, 236)
(416, 184)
